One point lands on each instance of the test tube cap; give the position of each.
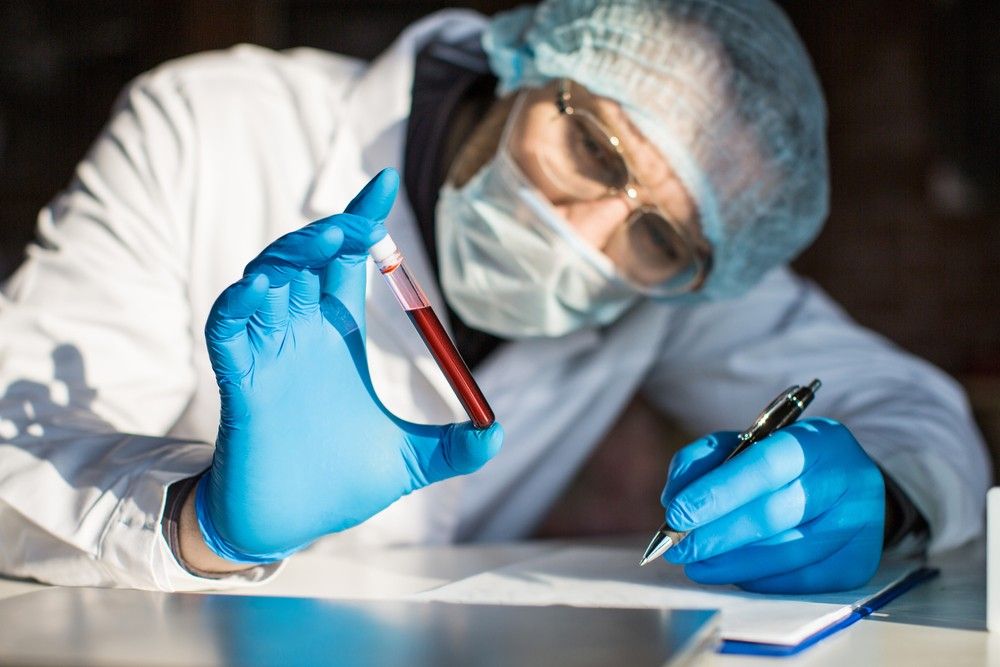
(383, 249)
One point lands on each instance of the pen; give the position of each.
(782, 411)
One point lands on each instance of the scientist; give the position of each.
(601, 198)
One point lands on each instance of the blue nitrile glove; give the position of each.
(305, 448)
(801, 511)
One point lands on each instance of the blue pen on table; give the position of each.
(782, 411)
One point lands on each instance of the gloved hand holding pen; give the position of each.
(304, 447)
(801, 511)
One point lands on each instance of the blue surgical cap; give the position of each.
(725, 90)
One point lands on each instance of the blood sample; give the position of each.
(389, 261)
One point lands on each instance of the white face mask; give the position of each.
(510, 264)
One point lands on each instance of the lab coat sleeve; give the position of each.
(95, 361)
(721, 362)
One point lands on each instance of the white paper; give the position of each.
(609, 577)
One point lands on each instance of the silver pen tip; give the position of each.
(656, 548)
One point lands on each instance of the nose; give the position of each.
(596, 221)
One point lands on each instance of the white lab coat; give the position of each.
(107, 396)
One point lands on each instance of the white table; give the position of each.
(941, 622)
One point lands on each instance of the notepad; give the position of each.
(609, 577)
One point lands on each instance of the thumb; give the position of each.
(467, 448)
(375, 200)
(455, 449)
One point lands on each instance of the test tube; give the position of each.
(390, 262)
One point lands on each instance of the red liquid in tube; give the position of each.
(452, 365)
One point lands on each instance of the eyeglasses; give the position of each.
(585, 161)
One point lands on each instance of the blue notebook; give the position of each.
(859, 611)
(749, 623)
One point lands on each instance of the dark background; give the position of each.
(913, 89)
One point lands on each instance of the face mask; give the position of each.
(510, 264)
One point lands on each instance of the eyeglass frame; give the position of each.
(702, 259)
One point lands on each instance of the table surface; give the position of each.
(940, 622)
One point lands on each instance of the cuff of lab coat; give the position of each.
(926, 482)
(909, 520)
(134, 545)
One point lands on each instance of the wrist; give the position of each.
(215, 542)
(194, 554)
(180, 526)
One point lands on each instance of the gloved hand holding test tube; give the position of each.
(305, 447)
(411, 297)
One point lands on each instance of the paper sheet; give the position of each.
(609, 577)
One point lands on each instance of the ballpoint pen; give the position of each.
(782, 411)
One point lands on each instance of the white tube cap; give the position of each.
(383, 250)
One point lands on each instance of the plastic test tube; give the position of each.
(389, 261)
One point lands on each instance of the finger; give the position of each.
(375, 200)
(456, 449)
(359, 235)
(789, 550)
(696, 459)
(765, 467)
(312, 246)
(272, 316)
(766, 516)
(303, 294)
(467, 448)
(851, 566)
(346, 279)
(226, 329)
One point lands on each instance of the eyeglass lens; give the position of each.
(655, 251)
(584, 161)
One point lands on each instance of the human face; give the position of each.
(610, 184)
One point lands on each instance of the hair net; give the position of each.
(725, 90)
